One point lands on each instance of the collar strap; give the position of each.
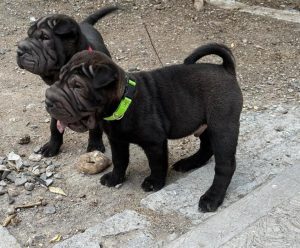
(125, 102)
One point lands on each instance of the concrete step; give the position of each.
(269, 216)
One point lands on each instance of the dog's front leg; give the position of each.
(120, 159)
(157, 155)
(52, 147)
(95, 140)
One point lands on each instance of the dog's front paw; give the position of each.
(95, 146)
(50, 149)
(151, 184)
(210, 202)
(111, 180)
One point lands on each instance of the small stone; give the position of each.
(2, 190)
(50, 168)
(26, 163)
(24, 140)
(49, 182)
(15, 159)
(35, 157)
(12, 176)
(36, 171)
(4, 174)
(279, 129)
(11, 210)
(48, 162)
(198, 4)
(29, 186)
(2, 183)
(37, 149)
(50, 209)
(43, 176)
(47, 120)
(20, 181)
(3, 168)
(2, 159)
(11, 200)
(118, 186)
(245, 41)
(49, 174)
(32, 19)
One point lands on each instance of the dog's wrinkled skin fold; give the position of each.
(169, 103)
(51, 42)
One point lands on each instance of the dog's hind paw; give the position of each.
(151, 184)
(111, 180)
(209, 202)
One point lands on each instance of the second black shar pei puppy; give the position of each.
(52, 41)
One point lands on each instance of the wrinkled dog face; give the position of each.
(77, 100)
(43, 52)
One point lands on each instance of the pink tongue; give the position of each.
(60, 126)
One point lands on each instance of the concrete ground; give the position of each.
(262, 206)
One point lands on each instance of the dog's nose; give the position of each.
(48, 103)
(22, 48)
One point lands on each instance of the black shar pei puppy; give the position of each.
(148, 108)
(52, 41)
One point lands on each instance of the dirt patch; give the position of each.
(267, 52)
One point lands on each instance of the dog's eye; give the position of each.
(77, 85)
(44, 36)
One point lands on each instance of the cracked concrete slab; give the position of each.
(262, 203)
(112, 231)
(7, 240)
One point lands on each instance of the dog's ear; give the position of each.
(65, 28)
(31, 29)
(104, 75)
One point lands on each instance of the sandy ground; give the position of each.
(267, 53)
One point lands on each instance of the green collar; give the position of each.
(125, 102)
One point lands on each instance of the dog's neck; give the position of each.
(125, 90)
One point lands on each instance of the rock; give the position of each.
(50, 168)
(2, 190)
(2, 160)
(3, 168)
(92, 163)
(11, 200)
(35, 157)
(49, 174)
(20, 181)
(49, 182)
(24, 140)
(15, 159)
(11, 176)
(5, 174)
(36, 171)
(37, 149)
(26, 163)
(198, 4)
(2, 183)
(50, 209)
(11, 210)
(29, 186)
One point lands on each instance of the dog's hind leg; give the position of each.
(157, 155)
(224, 142)
(198, 159)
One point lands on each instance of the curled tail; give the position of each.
(213, 48)
(93, 18)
